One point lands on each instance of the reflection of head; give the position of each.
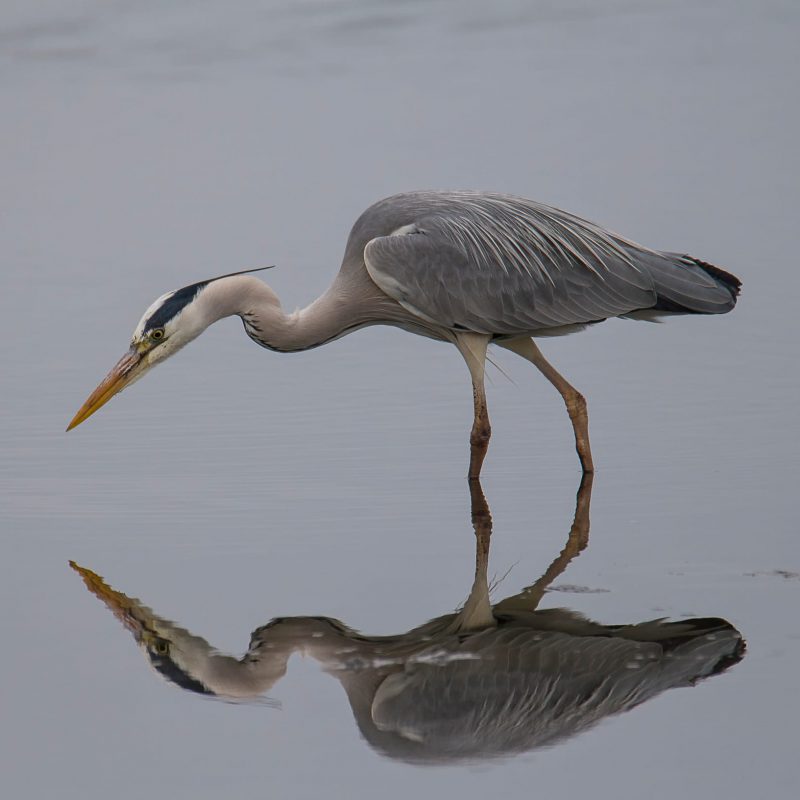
(192, 664)
(186, 660)
(171, 671)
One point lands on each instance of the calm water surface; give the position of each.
(146, 147)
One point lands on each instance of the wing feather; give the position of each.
(506, 266)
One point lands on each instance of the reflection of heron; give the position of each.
(465, 267)
(484, 682)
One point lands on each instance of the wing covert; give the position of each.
(495, 267)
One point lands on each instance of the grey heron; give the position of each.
(488, 681)
(470, 268)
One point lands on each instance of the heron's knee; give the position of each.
(576, 405)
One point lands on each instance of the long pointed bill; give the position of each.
(122, 606)
(123, 374)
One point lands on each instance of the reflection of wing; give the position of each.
(498, 264)
(512, 689)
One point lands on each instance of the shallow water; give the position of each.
(145, 148)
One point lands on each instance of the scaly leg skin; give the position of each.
(479, 436)
(473, 348)
(574, 400)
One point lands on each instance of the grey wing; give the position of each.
(507, 267)
(522, 688)
(510, 684)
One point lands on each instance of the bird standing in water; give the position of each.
(470, 268)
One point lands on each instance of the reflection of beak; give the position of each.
(125, 371)
(123, 607)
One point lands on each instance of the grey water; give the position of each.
(146, 146)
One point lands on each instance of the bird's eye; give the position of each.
(161, 647)
(157, 335)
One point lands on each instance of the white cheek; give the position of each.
(189, 324)
(161, 352)
(170, 346)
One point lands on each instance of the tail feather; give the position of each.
(709, 639)
(687, 285)
(730, 281)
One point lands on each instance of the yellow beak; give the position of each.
(124, 373)
(124, 608)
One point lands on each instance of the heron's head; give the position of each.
(169, 324)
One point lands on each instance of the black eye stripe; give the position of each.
(174, 304)
(181, 298)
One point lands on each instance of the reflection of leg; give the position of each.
(528, 599)
(482, 524)
(473, 348)
(477, 611)
(574, 400)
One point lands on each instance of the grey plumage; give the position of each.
(506, 266)
(469, 268)
(529, 683)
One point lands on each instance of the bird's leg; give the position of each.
(577, 541)
(574, 400)
(473, 347)
(480, 434)
(477, 611)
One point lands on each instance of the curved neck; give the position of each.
(334, 314)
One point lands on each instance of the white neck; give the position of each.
(334, 314)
